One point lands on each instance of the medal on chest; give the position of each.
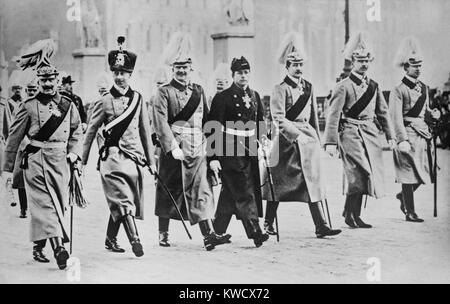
(124, 101)
(417, 91)
(53, 110)
(247, 100)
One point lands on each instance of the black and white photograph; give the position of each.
(197, 143)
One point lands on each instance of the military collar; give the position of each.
(117, 94)
(45, 98)
(357, 78)
(410, 82)
(293, 82)
(179, 86)
(241, 92)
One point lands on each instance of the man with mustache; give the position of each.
(52, 124)
(409, 105)
(238, 111)
(297, 173)
(124, 147)
(180, 110)
(355, 104)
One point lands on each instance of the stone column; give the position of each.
(228, 45)
(89, 62)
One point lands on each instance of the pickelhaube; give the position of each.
(409, 52)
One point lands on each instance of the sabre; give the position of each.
(171, 199)
(435, 169)
(272, 191)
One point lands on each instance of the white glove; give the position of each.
(152, 169)
(302, 139)
(72, 157)
(215, 166)
(392, 143)
(404, 146)
(178, 154)
(331, 150)
(435, 114)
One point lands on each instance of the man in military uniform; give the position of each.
(4, 127)
(297, 173)
(67, 90)
(52, 124)
(409, 104)
(16, 97)
(239, 112)
(180, 110)
(355, 104)
(18, 183)
(124, 146)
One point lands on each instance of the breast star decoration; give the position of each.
(54, 110)
(247, 100)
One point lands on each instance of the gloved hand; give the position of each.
(404, 146)
(178, 154)
(331, 150)
(435, 114)
(72, 157)
(215, 167)
(302, 139)
(392, 143)
(152, 169)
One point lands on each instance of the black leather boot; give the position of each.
(254, 232)
(357, 212)
(38, 254)
(413, 217)
(130, 228)
(164, 231)
(210, 238)
(408, 198)
(348, 212)
(318, 217)
(271, 210)
(164, 239)
(60, 253)
(111, 236)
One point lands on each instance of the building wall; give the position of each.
(148, 25)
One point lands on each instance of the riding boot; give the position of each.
(38, 254)
(254, 231)
(61, 254)
(271, 211)
(408, 198)
(164, 231)
(210, 238)
(111, 236)
(357, 205)
(131, 230)
(318, 217)
(348, 211)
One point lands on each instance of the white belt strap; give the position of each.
(241, 133)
